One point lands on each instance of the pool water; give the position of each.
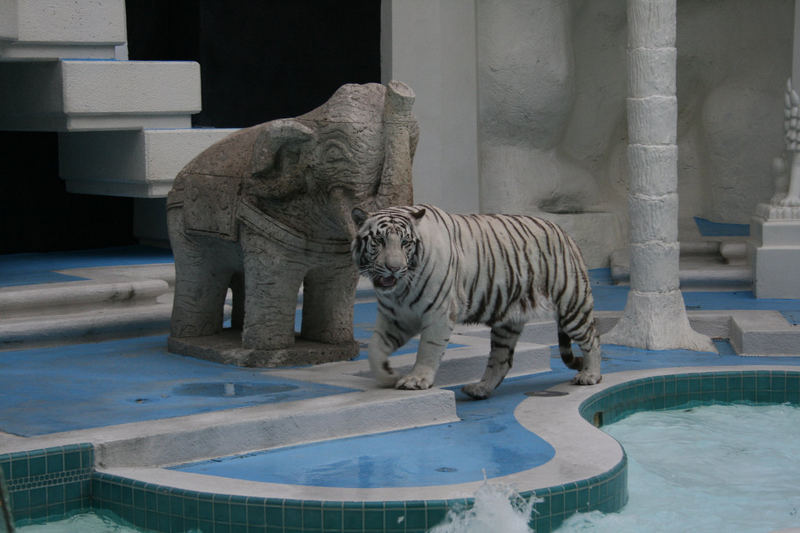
(88, 522)
(706, 468)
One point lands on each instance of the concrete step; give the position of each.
(701, 264)
(43, 300)
(464, 362)
(110, 302)
(102, 323)
(141, 164)
(85, 95)
(34, 29)
(763, 333)
(219, 433)
(467, 364)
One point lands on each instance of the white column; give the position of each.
(655, 317)
(430, 45)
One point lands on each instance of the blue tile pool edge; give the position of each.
(675, 391)
(50, 483)
(56, 482)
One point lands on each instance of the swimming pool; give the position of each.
(55, 482)
(708, 468)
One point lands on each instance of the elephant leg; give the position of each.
(272, 281)
(328, 298)
(201, 282)
(237, 313)
(198, 305)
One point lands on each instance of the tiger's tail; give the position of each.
(565, 348)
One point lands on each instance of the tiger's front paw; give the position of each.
(415, 381)
(585, 377)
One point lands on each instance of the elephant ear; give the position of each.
(278, 161)
(359, 216)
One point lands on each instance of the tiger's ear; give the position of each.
(416, 215)
(359, 216)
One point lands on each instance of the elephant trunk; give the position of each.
(400, 141)
(398, 103)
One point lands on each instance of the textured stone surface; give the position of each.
(526, 87)
(267, 209)
(655, 317)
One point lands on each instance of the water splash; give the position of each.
(496, 508)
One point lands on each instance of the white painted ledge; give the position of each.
(35, 29)
(141, 164)
(85, 95)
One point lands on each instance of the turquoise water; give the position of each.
(89, 522)
(701, 469)
(708, 468)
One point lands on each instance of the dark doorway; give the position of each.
(260, 60)
(36, 212)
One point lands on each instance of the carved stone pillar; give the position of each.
(654, 317)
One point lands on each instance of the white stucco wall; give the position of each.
(551, 81)
(430, 45)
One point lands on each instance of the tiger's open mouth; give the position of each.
(385, 282)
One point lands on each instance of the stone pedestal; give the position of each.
(226, 348)
(774, 251)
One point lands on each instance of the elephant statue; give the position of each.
(267, 210)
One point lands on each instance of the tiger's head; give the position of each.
(386, 247)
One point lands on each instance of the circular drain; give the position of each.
(229, 390)
(546, 393)
(446, 469)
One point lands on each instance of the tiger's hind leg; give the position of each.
(588, 366)
(501, 357)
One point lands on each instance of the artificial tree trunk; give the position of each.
(654, 317)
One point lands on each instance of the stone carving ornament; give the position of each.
(267, 209)
(785, 203)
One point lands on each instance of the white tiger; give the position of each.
(432, 270)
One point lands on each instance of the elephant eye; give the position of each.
(335, 153)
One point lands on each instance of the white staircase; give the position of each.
(36, 29)
(124, 129)
(124, 126)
